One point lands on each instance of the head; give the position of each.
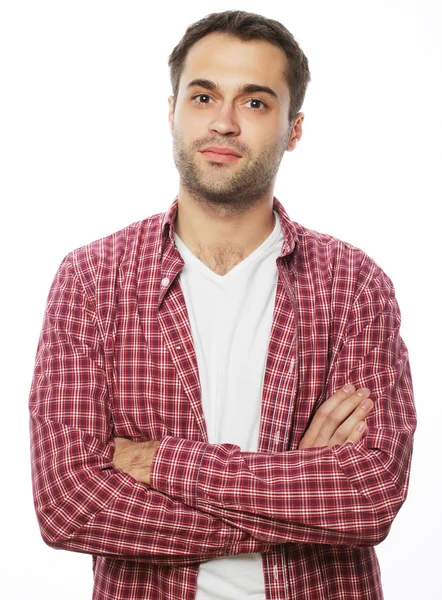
(216, 58)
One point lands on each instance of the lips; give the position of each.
(217, 157)
(222, 150)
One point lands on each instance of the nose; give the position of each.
(225, 121)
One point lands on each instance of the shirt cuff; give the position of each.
(175, 468)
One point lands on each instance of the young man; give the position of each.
(222, 404)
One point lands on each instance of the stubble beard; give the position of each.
(224, 187)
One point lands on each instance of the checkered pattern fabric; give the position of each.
(116, 358)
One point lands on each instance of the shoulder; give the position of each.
(102, 259)
(340, 261)
(325, 245)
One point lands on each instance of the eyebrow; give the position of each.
(248, 88)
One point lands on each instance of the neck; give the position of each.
(211, 230)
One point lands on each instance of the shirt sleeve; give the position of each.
(82, 502)
(348, 494)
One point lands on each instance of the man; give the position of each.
(222, 404)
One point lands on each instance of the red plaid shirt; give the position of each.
(116, 358)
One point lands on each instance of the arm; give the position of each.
(82, 502)
(339, 420)
(347, 494)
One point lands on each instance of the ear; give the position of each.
(171, 112)
(296, 132)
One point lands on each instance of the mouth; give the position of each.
(218, 157)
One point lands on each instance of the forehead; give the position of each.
(228, 60)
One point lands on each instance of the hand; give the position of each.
(339, 419)
(134, 458)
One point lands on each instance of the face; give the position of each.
(252, 122)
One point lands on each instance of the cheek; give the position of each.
(191, 125)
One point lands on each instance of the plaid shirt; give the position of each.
(116, 358)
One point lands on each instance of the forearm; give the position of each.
(341, 495)
(94, 508)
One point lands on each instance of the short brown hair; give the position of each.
(247, 26)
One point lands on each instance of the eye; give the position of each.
(200, 96)
(260, 101)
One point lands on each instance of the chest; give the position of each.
(154, 377)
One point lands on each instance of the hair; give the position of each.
(247, 26)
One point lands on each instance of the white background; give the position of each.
(85, 149)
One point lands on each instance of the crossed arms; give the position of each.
(340, 486)
(339, 420)
(222, 481)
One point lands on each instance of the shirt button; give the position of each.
(277, 437)
(275, 571)
(165, 281)
(292, 364)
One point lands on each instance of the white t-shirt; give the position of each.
(231, 317)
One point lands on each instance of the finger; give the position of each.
(358, 416)
(331, 403)
(339, 415)
(321, 414)
(357, 433)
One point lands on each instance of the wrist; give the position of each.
(176, 467)
(135, 458)
(142, 460)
